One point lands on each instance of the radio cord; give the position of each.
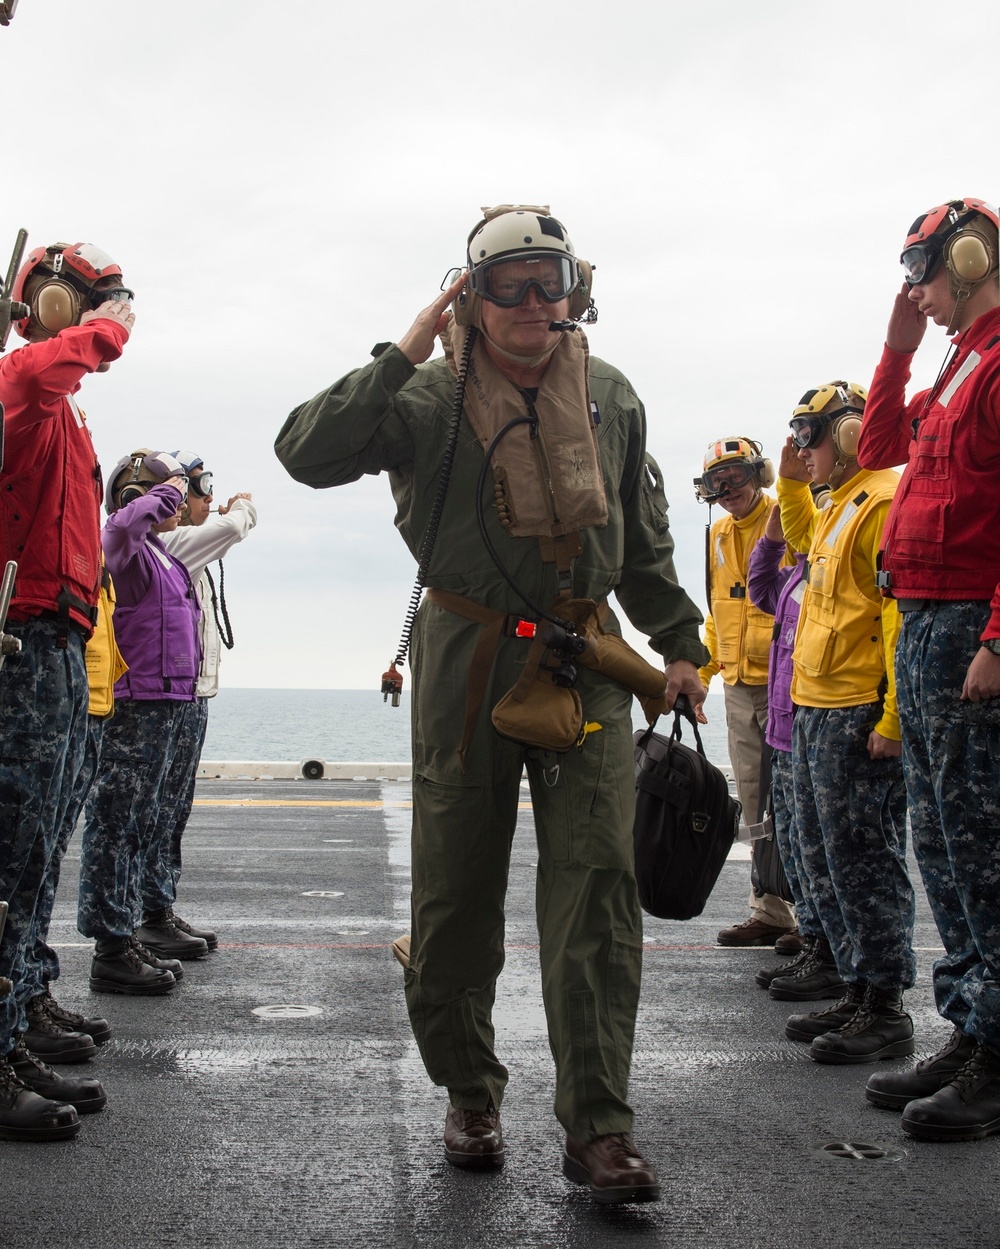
(540, 612)
(219, 604)
(430, 535)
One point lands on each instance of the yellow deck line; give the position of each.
(309, 802)
(294, 802)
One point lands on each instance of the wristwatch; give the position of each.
(993, 645)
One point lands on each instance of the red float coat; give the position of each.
(942, 537)
(50, 486)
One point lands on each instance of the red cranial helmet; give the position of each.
(61, 282)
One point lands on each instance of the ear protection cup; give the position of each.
(130, 493)
(466, 308)
(55, 305)
(968, 256)
(579, 300)
(846, 432)
(763, 468)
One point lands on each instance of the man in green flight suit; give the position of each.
(573, 511)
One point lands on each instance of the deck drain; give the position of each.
(287, 1012)
(863, 1151)
(323, 893)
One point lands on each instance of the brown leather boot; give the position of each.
(613, 1167)
(473, 1139)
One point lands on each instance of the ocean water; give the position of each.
(338, 726)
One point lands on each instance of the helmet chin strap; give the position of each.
(961, 297)
(833, 481)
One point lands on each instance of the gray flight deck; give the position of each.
(316, 1125)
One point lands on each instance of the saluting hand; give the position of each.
(789, 465)
(119, 310)
(906, 323)
(417, 343)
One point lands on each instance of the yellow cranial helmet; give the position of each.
(730, 464)
(837, 406)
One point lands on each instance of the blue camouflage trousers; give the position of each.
(850, 815)
(787, 838)
(122, 810)
(43, 704)
(41, 960)
(951, 760)
(162, 868)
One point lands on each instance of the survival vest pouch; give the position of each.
(548, 716)
(685, 820)
(540, 713)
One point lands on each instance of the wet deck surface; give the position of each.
(228, 1128)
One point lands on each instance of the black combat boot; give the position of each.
(814, 978)
(967, 1108)
(24, 1116)
(766, 974)
(55, 1044)
(879, 1029)
(205, 934)
(118, 968)
(160, 934)
(808, 1027)
(897, 1088)
(164, 964)
(85, 1096)
(95, 1026)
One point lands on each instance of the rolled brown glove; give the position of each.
(401, 949)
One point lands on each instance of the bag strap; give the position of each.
(682, 707)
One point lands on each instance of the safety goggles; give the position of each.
(110, 294)
(201, 485)
(920, 262)
(725, 477)
(807, 431)
(507, 282)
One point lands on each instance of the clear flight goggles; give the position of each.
(722, 478)
(921, 261)
(201, 485)
(807, 431)
(507, 282)
(109, 294)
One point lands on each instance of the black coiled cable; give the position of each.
(219, 604)
(437, 508)
(540, 612)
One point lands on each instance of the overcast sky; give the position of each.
(285, 184)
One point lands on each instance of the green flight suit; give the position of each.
(392, 416)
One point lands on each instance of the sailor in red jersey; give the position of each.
(941, 561)
(50, 491)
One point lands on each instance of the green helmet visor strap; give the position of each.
(507, 280)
